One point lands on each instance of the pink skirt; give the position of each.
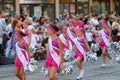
(18, 63)
(78, 54)
(102, 44)
(49, 62)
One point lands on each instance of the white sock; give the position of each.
(81, 74)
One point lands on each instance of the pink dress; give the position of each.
(97, 35)
(79, 23)
(102, 43)
(77, 52)
(18, 63)
(26, 32)
(49, 62)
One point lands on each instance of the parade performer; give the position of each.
(71, 34)
(64, 38)
(80, 47)
(105, 43)
(27, 32)
(22, 56)
(54, 58)
(13, 39)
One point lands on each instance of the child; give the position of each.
(105, 43)
(64, 38)
(71, 34)
(89, 36)
(55, 53)
(26, 31)
(23, 56)
(97, 36)
(80, 44)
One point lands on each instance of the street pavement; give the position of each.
(92, 72)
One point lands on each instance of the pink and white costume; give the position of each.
(18, 62)
(80, 52)
(105, 38)
(50, 60)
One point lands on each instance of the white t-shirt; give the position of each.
(94, 21)
(34, 37)
(8, 28)
(88, 36)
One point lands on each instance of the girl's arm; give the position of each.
(29, 37)
(87, 46)
(34, 30)
(100, 36)
(61, 53)
(28, 51)
(110, 36)
(73, 49)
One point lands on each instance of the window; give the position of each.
(8, 1)
(0, 7)
(116, 6)
(105, 7)
(96, 7)
(8, 8)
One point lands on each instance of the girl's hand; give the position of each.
(62, 66)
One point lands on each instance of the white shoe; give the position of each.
(104, 65)
(111, 61)
(81, 74)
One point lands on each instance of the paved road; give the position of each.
(92, 72)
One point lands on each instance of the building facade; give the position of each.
(55, 8)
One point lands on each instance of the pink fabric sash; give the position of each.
(53, 53)
(71, 37)
(62, 38)
(105, 39)
(80, 48)
(22, 57)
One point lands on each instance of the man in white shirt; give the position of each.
(2, 26)
(94, 21)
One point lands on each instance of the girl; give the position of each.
(105, 43)
(23, 56)
(64, 38)
(27, 32)
(13, 39)
(71, 34)
(80, 45)
(55, 53)
(97, 36)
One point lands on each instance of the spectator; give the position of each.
(34, 23)
(94, 21)
(89, 36)
(1, 31)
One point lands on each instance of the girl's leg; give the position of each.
(22, 73)
(49, 69)
(52, 74)
(79, 63)
(17, 72)
(104, 55)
